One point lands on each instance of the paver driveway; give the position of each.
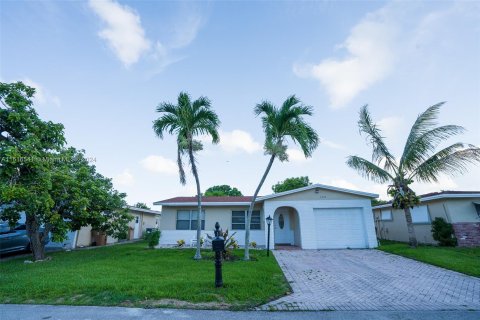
(370, 280)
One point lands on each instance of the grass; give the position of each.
(464, 260)
(131, 275)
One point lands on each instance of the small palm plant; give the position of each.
(187, 120)
(278, 125)
(419, 161)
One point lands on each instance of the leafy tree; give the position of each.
(187, 120)
(55, 187)
(377, 202)
(291, 183)
(443, 232)
(420, 161)
(141, 205)
(279, 124)
(222, 190)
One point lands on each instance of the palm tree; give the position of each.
(187, 120)
(278, 125)
(419, 161)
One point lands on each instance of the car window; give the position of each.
(21, 227)
(4, 228)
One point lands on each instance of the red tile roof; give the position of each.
(208, 199)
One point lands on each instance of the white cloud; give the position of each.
(124, 179)
(186, 30)
(238, 140)
(331, 144)
(42, 96)
(159, 164)
(341, 183)
(123, 32)
(444, 183)
(370, 58)
(296, 155)
(393, 127)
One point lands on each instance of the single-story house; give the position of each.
(460, 208)
(142, 219)
(314, 217)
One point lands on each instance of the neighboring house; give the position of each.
(460, 208)
(313, 217)
(143, 219)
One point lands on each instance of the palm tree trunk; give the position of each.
(412, 238)
(250, 209)
(198, 255)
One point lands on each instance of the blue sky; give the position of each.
(101, 67)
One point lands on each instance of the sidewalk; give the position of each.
(45, 312)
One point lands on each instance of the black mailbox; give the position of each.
(218, 244)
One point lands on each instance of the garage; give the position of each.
(339, 228)
(321, 217)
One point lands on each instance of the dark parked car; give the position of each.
(14, 239)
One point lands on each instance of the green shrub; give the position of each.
(253, 244)
(442, 232)
(153, 238)
(230, 243)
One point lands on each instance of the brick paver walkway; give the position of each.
(370, 280)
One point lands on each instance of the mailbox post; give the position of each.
(218, 246)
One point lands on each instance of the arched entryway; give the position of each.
(286, 228)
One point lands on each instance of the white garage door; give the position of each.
(340, 228)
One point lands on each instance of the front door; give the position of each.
(283, 228)
(136, 230)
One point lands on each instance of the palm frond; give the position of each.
(183, 100)
(450, 160)
(380, 150)
(418, 149)
(369, 170)
(201, 102)
(303, 134)
(167, 123)
(167, 107)
(265, 107)
(289, 103)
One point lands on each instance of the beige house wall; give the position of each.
(452, 210)
(323, 194)
(462, 210)
(222, 215)
(84, 237)
(146, 220)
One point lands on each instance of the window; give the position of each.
(281, 221)
(477, 207)
(386, 215)
(187, 219)
(420, 215)
(239, 218)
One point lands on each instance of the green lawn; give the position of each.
(464, 260)
(131, 275)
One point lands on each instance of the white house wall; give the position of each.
(307, 218)
(170, 237)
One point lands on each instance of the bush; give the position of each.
(230, 243)
(442, 232)
(253, 244)
(153, 238)
(180, 243)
